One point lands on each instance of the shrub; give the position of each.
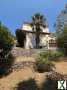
(43, 60)
(6, 43)
(42, 63)
(5, 65)
(6, 38)
(51, 55)
(55, 55)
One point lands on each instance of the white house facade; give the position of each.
(30, 41)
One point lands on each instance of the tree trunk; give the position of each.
(37, 39)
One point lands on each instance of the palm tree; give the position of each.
(38, 20)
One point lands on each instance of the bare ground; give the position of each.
(61, 67)
(10, 82)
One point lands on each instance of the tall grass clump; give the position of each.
(42, 63)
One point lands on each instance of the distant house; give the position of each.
(45, 37)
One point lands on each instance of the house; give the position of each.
(30, 36)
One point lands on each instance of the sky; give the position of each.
(14, 12)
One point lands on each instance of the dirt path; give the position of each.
(61, 67)
(11, 81)
(7, 83)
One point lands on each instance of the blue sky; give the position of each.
(14, 12)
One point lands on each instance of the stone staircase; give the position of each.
(25, 52)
